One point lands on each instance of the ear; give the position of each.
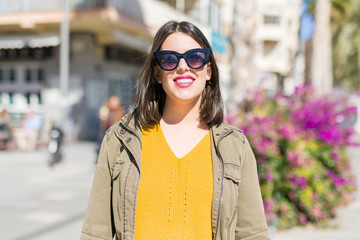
(157, 74)
(208, 72)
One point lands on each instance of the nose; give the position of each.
(182, 65)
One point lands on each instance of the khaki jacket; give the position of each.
(237, 208)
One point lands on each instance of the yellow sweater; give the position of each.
(175, 195)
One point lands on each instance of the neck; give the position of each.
(182, 113)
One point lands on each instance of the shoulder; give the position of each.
(122, 128)
(232, 133)
(111, 131)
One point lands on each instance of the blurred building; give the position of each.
(109, 40)
(265, 43)
(277, 42)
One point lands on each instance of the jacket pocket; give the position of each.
(119, 162)
(117, 169)
(232, 171)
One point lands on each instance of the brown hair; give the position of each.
(149, 101)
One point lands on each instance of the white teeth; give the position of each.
(184, 80)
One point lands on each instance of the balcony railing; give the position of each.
(15, 6)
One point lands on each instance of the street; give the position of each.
(42, 203)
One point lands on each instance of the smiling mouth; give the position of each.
(184, 80)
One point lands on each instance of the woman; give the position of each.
(172, 169)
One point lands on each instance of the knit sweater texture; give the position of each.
(175, 194)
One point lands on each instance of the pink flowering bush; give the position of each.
(299, 142)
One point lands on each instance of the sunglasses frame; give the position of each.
(182, 55)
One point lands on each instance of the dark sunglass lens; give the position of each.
(168, 61)
(196, 59)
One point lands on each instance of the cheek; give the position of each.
(165, 76)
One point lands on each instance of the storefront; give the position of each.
(29, 79)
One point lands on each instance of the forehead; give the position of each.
(179, 42)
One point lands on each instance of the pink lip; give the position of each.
(184, 77)
(184, 84)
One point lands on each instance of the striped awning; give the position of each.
(33, 41)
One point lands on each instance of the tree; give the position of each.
(346, 43)
(322, 72)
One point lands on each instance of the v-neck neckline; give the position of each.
(163, 138)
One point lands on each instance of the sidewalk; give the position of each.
(347, 223)
(41, 203)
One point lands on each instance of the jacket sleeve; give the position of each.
(98, 223)
(251, 222)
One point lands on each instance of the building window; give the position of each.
(39, 98)
(24, 53)
(11, 98)
(1, 76)
(12, 54)
(33, 98)
(27, 96)
(12, 75)
(28, 75)
(2, 53)
(38, 53)
(268, 19)
(269, 47)
(34, 74)
(40, 75)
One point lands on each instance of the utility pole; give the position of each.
(64, 60)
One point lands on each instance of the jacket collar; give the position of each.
(221, 131)
(127, 125)
(127, 130)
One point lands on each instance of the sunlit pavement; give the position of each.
(42, 203)
(346, 226)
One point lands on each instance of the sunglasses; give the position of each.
(194, 58)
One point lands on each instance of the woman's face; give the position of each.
(183, 84)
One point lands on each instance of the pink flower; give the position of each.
(300, 182)
(269, 176)
(269, 205)
(335, 155)
(296, 159)
(302, 218)
(316, 212)
(315, 197)
(288, 132)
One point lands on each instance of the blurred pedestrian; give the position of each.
(5, 129)
(55, 144)
(198, 174)
(27, 136)
(109, 113)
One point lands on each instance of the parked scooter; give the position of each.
(55, 146)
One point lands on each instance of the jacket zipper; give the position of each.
(222, 180)
(221, 193)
